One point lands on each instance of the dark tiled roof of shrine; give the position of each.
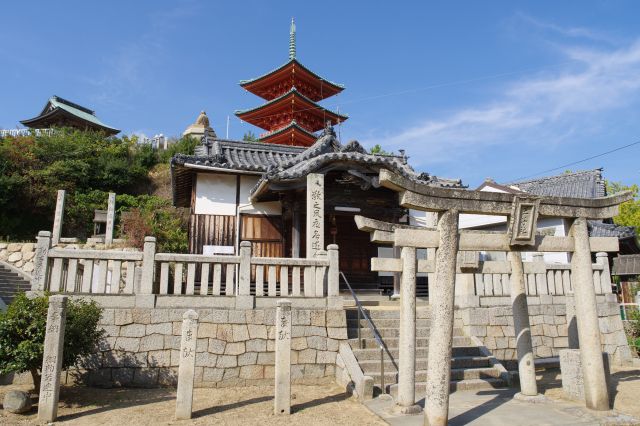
(582, 184)
(600, 229)
(280, 163)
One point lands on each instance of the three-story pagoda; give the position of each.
(291, 114)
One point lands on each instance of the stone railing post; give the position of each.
(244, 300)
(333, 287)
(111, 218)
(148, 265)
(541, 278)
(41, 261)
(282, 400)
(58, 217)
(244, 273)
(602, 258)
(52, 359)
(187, 365)
(320, 274)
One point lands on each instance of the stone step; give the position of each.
(385, 322)
(393, 342)
(455, 385)
(373, 352)
(373, 365)
(374, 314)
(390, 332)
(457, 374)
(385, 332)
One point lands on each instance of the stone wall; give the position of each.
(19, 255)
(492, 323)
(234, 347)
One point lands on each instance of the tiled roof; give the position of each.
(600, 229)
(278, 163)
(239, 155)
(56, 103)
(328, 150)
(582, 184)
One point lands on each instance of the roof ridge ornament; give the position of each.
(292, 40)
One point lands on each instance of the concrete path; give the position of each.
(497, 407)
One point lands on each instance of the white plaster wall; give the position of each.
(247, 183)
(215, 194)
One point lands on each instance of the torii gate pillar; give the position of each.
(441, 334)
(595, 386)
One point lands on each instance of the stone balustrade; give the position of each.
(120, 272)
(542, 279)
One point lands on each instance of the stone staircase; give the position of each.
(11, 283)
(471, 368)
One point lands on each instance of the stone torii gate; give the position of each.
(523, 212)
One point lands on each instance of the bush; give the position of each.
(22, 332)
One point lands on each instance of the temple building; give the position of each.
(291, 114)
(59, 112)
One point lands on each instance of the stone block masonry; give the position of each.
(233, 347)
(493, 324)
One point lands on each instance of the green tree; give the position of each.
(629, 211)
(377, 149)
(249, 137)
(22, 332)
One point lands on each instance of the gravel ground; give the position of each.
(311, 405)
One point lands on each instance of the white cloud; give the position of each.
(553, 107)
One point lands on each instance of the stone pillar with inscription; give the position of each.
(52, 359)
(187, 366)
(58, 218)
(315, 214)
(111, 218)
(282, 402)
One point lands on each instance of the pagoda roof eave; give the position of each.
(292, 92)
(292, 125)
(244, 83)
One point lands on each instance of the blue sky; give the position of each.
(469, 89)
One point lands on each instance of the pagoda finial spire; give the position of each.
(292, 40)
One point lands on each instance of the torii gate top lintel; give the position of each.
(425, 197)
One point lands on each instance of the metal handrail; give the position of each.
(376, 336)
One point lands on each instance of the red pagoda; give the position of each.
(291, 114)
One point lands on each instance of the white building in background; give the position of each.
(159, 141)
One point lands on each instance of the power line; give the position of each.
(564, 166)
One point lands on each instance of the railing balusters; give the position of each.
(56, 275)
(191, 278)
(204, 279)
(295, 274)
(87, 276)
(284, 281)
(272, 281)
(103, 269)
(72, 272)
(217, 278)
(115, 276)
(259, 280)
(229, 288)
(164, 278)
(177, 278)
(131, 276)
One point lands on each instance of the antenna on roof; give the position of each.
(227, 127)
(292, 40)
